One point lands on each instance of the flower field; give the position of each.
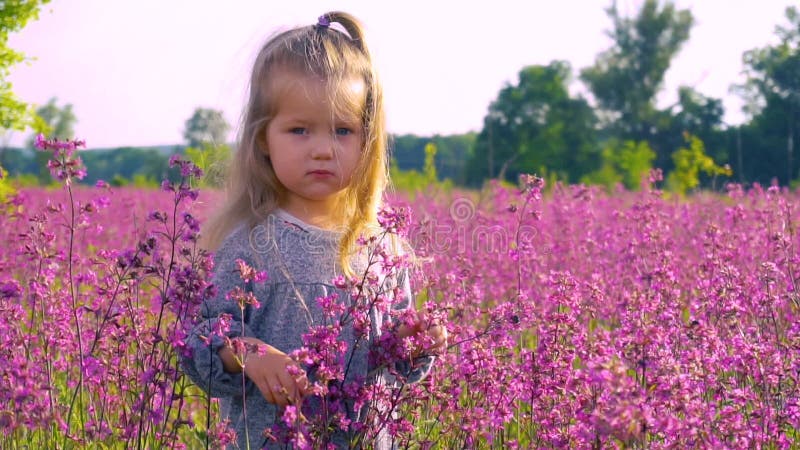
(577, 318)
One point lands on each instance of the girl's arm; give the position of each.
(221, 318)
(212, 364)
(419, 367)
(279, 378)
(431, 334)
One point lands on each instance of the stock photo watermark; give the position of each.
(461, 231)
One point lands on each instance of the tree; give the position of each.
(695, 114)
(213, 160)
(690, 162)
(14, 113)
(534, 126)
(14, 15)
(626, 78)
(773, 93)
(57, 122)
(205, 134)
(626, 162)
(205, 126)
(124, 164)
(452, 153)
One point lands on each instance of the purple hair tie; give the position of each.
(323, 22)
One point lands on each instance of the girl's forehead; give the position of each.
(347, 95)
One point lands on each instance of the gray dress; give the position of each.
(301, 263)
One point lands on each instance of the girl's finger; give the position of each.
(303, 385)
(288, 387)
(266, 392)
(261, 384)
(273, 385)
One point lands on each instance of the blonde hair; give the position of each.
(253, 189)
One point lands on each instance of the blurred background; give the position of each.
(575, 91)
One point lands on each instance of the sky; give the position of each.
(134, 71)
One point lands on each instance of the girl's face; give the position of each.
(314, 149)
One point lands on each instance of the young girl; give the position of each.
(307, 180)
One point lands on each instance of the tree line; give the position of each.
(535, 125)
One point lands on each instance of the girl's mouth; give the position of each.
(321, 173)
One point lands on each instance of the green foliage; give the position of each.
(144, 181)
(773, 70)
(408, 152)
(10, 185)
(690, 162)
(24, 180)
(607, 175)
(125, 163)
(14, 113)
(14, 15)
(413, 182)
(551, 179)
(138, 181)
(535, 124)
(118, 181)
(213, 159)
(696, 114)
(626, 78)
(429, 171)
(6, 187)
(18, 161)
(635, 159)
(625, 162)
(772, 91)
(57, 122)
(409, 181)
(206, 126)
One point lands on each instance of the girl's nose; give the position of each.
(324, 147)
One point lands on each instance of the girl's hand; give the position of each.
(431, 331)
(279, 378)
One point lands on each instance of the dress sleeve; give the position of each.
(203, 365)
(418, 368)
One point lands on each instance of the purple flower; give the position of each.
(188, 169)
(248, 273)
(243, 298)
(40, 142)
(394, 220)
(10, 289)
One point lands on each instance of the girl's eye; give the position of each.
(342, 131)
(297, 130)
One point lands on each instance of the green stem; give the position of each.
(78, 392)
